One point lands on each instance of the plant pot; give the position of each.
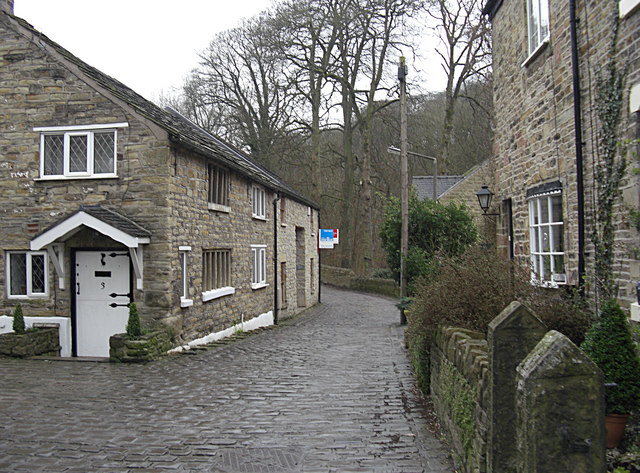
(615, 424)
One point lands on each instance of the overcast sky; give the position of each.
(151, 45)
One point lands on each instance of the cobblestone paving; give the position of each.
(330, 391)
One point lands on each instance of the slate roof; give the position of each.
(181, 131)
(424, 185)
(116, 220)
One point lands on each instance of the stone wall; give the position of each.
(346, 278)
(460, 393)
(34, 342)
(519, 400)
(534, 139)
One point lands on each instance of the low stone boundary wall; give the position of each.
(523, 400)
(148, 347)
(346, 278)
(40, 342)
(459, 389)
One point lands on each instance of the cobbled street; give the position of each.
(330, 391)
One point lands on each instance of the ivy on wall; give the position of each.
(459, 397)
(610, 168)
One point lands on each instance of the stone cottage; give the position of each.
(545, 57)
(106, 199)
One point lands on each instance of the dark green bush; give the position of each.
(471, 290)
(433, 227)
(18, 320)
(133, 324)
(608, 343)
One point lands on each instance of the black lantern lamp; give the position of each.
(484, 199)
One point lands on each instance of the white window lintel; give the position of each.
(105, 126)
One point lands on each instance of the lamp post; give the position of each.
(404, 183)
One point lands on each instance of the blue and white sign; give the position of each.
(326, 240)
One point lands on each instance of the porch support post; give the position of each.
(56, 255)
(136, 258)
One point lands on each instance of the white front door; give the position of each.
(102, 295)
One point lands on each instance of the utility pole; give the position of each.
(404, 176)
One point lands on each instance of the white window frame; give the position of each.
(185, 301)
(537, 37)
(259, 266)
(258, 203)
(83, 130)
(30, 294)
(224, 288)
(218, 185)
(550, 278)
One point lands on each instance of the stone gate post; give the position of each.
(511, 336)
(560, 405)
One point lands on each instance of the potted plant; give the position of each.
(608, 343)
(18, 320)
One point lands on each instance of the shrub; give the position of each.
(433, 227)
(18, 320)
(608, 343)
(133, 324)
(471, 290)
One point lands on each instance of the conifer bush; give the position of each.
(134, 329)
(609, 344)
(18, 320)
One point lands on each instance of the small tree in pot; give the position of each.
(134, 329)
(18, 320)
(608, 343)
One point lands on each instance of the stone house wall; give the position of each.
(37, 91)
(465, 190)
(160, 185)
(302, 220)
(534, 136)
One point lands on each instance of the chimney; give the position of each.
(6, 6)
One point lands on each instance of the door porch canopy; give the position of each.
(107, 222)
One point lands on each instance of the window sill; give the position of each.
(259, 285)
(536, 52)
(72, 178)
(258, 217)
(547, 284)
(283, 225)
(185, 302)
(217, 293)
(29, 296)
(218, 207)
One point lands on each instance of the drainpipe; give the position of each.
(319, 259)
(577, 113)
(275, 259)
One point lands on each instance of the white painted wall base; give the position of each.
(64, 332)
(263, 320)
(635, 311)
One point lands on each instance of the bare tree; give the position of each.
(240, 90)
(309, 31)
(465, 53)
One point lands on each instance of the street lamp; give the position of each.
(484, 198)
